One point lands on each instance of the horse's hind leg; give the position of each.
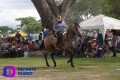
(52, 56)
(46, 60)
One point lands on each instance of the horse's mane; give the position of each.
(69, 29)
(69, 33)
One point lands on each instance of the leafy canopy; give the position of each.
(30, 24)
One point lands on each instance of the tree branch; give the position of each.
(48, 10)
(44, 12)
(53, 7)
(65, 7)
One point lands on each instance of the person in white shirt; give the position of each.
(95, 34)
(1, 36)
(77, 41)
(5, 44)
(110, 34)
(8, 34)
(83, 37)
(90, 34)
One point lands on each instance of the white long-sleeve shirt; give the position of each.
(90, 34)
(1, 36)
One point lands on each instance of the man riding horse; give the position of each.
(66, 44)
(58, 27)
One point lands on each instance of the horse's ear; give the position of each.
(76, 24)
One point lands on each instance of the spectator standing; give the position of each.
(90, 34)
(8, 34)
(1, 36)
(25, 49)
(46, 32)
(110, 34)
(114, 45)
(18, 37)
(95, 34)
(100, 39)
(30, 36)
(40, 36)
(78, 41)
(83, 37)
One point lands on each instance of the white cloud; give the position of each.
(16, 4)
(12, 9)
(7, 18)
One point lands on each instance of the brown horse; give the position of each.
(66, 44)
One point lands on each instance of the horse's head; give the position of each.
(76, 25)
(73, 30)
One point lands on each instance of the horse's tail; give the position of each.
(42, 47)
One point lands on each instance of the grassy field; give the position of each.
(86, 68)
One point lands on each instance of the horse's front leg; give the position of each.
(71, 59)
(52, 56)
(72, 54)
(46, 60)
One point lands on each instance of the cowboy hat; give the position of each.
(18, 30)
(100, 48)
(94, 39)
(13, 47)
(59, 18)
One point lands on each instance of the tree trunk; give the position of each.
(48, 10)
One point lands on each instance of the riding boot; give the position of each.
(58, 43)
(59, 39)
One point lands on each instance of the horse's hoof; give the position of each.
(54, 65)
(73, 66)
(48, 65)
(68, 61)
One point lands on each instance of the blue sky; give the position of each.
(12, 9)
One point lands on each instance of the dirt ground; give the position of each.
(62, 76)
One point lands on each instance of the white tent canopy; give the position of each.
(100, 22)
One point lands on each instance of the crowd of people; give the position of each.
(18, 45)
(86, 44)
(91, 43)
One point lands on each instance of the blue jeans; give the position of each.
(59, 37)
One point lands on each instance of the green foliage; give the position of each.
(86, 8)
(89, 8)
(30, 24)
(86, 68)
(5, 29)
(111, 8)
